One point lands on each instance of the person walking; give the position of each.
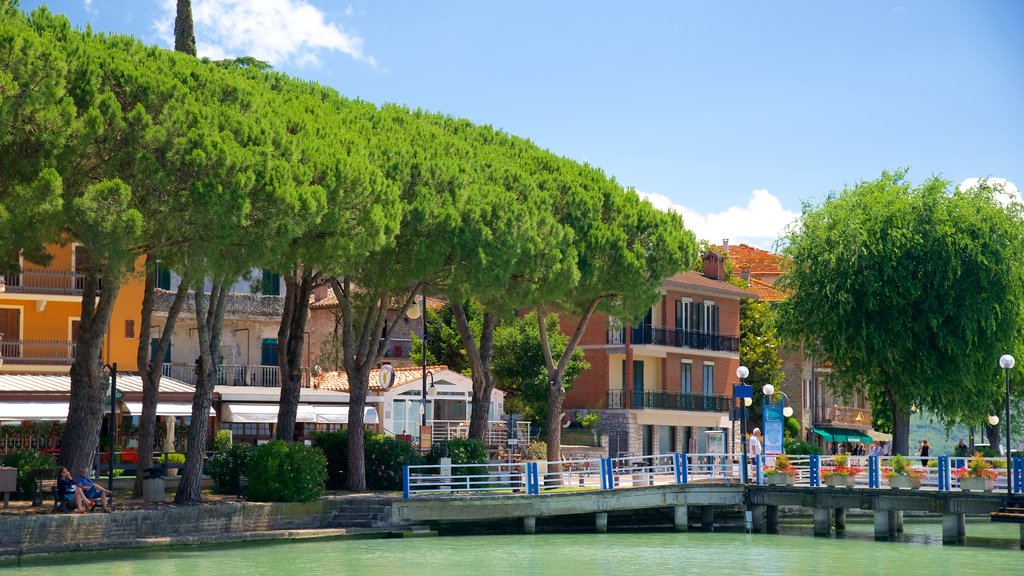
(754, 447)
(961, 449)
(924, 450)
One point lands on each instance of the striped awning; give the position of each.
(165, 409)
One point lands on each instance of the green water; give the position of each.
(990, 550)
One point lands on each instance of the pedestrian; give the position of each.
(754, 443)
(961, 449)
(923, 451)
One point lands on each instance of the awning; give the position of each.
(841, 435)
(263, 413)
(17, 411)
(165, 409)
(328, 414)
(880, 436)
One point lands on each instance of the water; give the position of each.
(992, 549)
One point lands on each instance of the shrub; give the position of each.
(26, 461)
(222, 441)
(461, 451)
(537, 450)
(285, 472)
(227, 466)
(384, 457)
(172, 458)
(795, 446)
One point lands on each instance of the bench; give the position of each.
(50, 487)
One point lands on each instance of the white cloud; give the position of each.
(89, 7)
(759, 223)
(1010, 191)
(276, 31)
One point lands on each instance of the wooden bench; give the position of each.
(50, 487)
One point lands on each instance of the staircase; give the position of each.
(362, 512)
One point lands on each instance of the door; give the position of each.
(638, 384)
(10, 333)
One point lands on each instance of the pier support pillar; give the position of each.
(1022, 536)
(840, 518)
(757, 518)
(707, 518)
(822, 521)
(601, 522)
(882, 524)
(530, 524)
(954, 529)
(899, 521)
(772, 519)
(681, 518)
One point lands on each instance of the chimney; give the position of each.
(745, 274)
(725, 246)
(712, 265)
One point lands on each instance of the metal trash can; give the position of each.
(8, 482)
(153, 486)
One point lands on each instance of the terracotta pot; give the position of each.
(977, 484)
(902, 481)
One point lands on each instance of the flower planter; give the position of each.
(977, 484)
(778, 479)
(902, 481)
(836, 481)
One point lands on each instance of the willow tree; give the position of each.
(620, 252)
(912, 292)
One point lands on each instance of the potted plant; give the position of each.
(902, 474)
(841, 475)
(172, 458)
(782, 473)
(977, 475)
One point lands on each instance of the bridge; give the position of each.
(711, 483)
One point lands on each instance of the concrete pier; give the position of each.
(885, 524)
(681, 518)
(822, 521)
(530, 524)
(757, 518)
(840, 518)
(601, 522)
(772, 519)
(954, 529)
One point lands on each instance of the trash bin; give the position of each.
(153, 488)
(8, 482)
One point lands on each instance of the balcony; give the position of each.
(846, 415)
(670, 401)
(676, 338)
(37, 352)
(234, 375)
(48, 282)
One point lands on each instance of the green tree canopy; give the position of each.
(912, 292)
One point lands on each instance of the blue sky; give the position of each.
(732, 112)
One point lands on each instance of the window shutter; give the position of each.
(679, 314)
(716, 319)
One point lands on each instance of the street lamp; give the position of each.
(414, 313)
(1006, 362)
(742, 372)
(110, 370)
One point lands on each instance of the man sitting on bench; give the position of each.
(69, 492)
(91, 490)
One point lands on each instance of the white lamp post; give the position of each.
(1006, 362)
(742, 374)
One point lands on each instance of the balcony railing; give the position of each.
(497, 431)
(676, 338)
(847, 415)
(399, 348)
(53, 282)
(669, 401)
(234, 375)
(37, 352)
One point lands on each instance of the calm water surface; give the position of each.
(992, 549)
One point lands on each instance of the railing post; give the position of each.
(1018, 474)
(605, 465)
(943, 480)
(758, 469)
(405, 482)
(874, 473)
(814, 471)
(532, 481)
(685, 469)
(677, 467)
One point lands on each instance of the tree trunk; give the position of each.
(85, 409)
(900, 431)
(151, 372)
(209, 320)
(290, 338)
(184, 32)
(480, 364)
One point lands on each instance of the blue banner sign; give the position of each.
(741, 391)
(774, 428)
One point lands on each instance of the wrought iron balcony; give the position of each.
(676, 338)
(49, 282)
(669, 401)
(234, 375)
(37, 352)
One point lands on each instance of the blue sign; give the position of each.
(741, 391)
(774, 429)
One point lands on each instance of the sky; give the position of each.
(734, 113)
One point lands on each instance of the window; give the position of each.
(709, 379)
(710, 320)
(684, 314)
(154, 343)
(268, 352)
(129, 328)
(270, 285)
(686, 378)
(163, 277)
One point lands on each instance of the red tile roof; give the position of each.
(698, 280)
(338, 381)
(759, 261)
(765, 291)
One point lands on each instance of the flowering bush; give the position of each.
(901, 467)
(782, 466)
(977, 467)
(840, 468)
